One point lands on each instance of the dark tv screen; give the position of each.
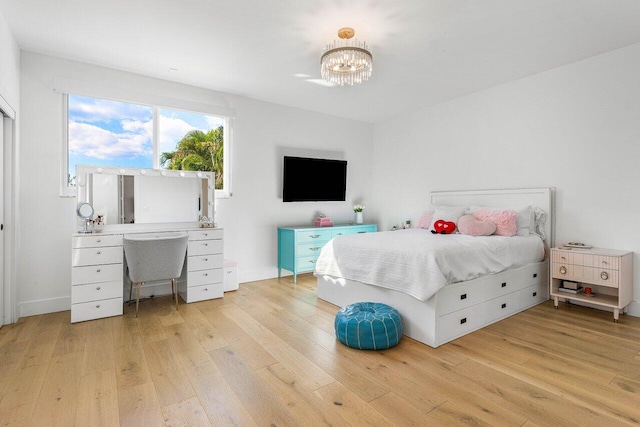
(313, 180)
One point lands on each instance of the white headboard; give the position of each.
(544, 198)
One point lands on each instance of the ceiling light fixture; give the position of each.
(346, 61)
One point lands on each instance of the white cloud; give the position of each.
(93, 141)
(171, 131)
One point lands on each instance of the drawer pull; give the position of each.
(98, 252)
(504, 305)
(361, 232)
(98, 288)
(562, 257)
(98, 271)
(206, 289)
(463, 321)
(535, 275)
(314, 249)
(205, 259)
(98, 241)
(205, 234)
(205, 244)
(535, 294)
(98, 306)
(205, 274)
(604, 275)
(312, 261)
(463, 296)
(604, 262)
(504, 285)
(314, 236)
(563, 269)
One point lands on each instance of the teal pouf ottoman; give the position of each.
(368, 326)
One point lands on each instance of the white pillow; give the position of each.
(525, 217)
(447, 213)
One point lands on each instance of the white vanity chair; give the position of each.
(154, 256)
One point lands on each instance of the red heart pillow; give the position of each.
(444, 227)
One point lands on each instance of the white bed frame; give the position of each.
(463, 307)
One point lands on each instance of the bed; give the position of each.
(440, 306)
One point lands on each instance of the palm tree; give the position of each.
(198, 151)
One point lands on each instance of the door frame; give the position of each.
(10, 152)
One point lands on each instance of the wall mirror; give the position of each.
(144, 196)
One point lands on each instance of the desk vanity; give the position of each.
(98, 266)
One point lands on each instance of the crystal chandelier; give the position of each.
(346, 61)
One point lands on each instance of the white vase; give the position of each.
(359, 219)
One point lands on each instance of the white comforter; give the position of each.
(419, 263)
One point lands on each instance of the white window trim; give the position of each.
(66, 86)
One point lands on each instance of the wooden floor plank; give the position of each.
(188, 412)
(138, 406)
(265, 407)
(169, 378)
(99, 349)
(98, 400)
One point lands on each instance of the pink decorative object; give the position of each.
(472, 226)
(425, 220)
(323, 222)
(505, 221)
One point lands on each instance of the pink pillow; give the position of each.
(425, 220)
(505, 221)
(472, 226)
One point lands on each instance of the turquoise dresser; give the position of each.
(299, 247)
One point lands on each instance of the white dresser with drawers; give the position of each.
(98, 267)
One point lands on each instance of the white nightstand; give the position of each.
(608, 272)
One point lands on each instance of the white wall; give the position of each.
(249, 217)
(575, 128)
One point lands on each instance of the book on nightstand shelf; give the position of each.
(570, 291)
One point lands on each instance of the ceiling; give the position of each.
(425, 51)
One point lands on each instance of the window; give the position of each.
(112, 133)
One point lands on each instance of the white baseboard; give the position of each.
(634, 309)
(44, 306)
(255, 275)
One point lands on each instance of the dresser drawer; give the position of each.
(95, 256)
(96, 291)
(313, 235)
(204, 277)
(307, 263)
(205, 292)
(204, 247)
(96, 241)
(309, 249)
(96, 274)
(96, 309)
(204, 262)
(205, 234)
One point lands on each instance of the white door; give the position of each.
(4, 141)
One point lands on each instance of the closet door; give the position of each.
(3, 138)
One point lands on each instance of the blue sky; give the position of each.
(111, 133)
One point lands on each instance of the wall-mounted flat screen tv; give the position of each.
(314, 180)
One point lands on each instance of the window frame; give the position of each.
(227, 115)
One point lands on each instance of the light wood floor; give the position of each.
(266, 355)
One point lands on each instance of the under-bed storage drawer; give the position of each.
(500, 307)
(533, 295)
(460, 322)
(459, 296)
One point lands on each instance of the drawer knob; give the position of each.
(206, 289)
(534, 294)
(463, 321)
(98, 271)
(98, 288)
(563, 269)
(98, 306)
(535, 275)
(504, 285)
(205, 259)
(314, 236)
(206, 244)
(98, 241)
(604, 262)
(604, 275)
(205, 274)
(463, 296)
(98, 252)
(314, 249)
(504, 305)
(312, 261)
(562, 257)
